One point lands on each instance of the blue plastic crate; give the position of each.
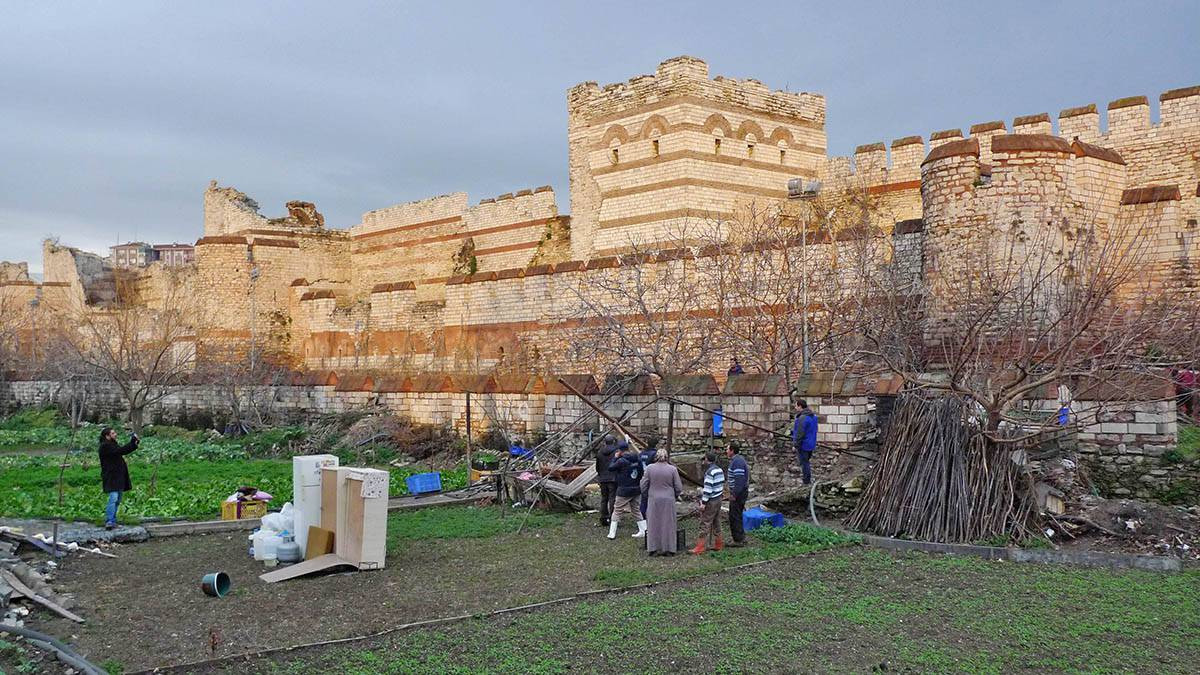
(757, 517)
(424, 482)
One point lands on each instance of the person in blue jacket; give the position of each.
(647, 455)
(628, 470)
(804, 437)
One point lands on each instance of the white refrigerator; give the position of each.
(306, 492)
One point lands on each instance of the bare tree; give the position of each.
(141, 350)
(777, 286)
(1029, 306)
(787, 281)
(647, 311)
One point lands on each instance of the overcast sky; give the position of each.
(114, 116)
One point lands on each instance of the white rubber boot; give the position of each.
(641, 529)
(612, 530)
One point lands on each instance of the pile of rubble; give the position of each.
(1130, 526)
(1073, 512)
(25, 579)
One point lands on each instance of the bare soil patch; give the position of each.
(145, 608)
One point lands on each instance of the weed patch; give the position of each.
(462, 523)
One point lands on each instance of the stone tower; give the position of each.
(648, 155)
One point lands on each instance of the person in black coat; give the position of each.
(608, 482)
(114, 473)
(628, 470)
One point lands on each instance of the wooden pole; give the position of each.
(470, 467)
(670, 425)
(603, 414)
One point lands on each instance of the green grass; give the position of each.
(196, 470)
(15, 657)
(32, 418)
(186, 488)
(793, 539)
(855, 610)
(462, 523)
(190, 489)
(1188, 448)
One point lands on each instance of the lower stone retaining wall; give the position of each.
(1128, 448)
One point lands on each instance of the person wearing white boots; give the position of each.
(628, 470)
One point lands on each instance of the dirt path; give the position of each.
(145, 608)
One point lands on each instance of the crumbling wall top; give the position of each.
(14, 271)
(688, 76)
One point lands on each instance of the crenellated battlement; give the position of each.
(688, 76)
(872, 165)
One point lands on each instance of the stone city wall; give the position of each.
(427, 242)
(646, 158)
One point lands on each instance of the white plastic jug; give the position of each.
(270, 544)
(260, 544)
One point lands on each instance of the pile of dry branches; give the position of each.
(940, 479)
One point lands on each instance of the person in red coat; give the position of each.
(114, 473)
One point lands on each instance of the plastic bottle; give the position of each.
(271, 549)
(259, 544)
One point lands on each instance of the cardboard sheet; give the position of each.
(319, 564)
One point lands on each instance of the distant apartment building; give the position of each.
(174, 255)
(132, 254)
(141, 254)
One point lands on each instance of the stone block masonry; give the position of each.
(441, 283)
(649, 155)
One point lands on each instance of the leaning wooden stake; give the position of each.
(628, 434)
(670, 425)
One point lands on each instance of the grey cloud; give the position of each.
(114, 116)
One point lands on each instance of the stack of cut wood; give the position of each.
(940, 479)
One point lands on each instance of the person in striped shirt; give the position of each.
(710, 506)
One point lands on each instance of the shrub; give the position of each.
(804, 534)
(270, 441)
(33, 418)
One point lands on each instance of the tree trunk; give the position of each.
(137, 413)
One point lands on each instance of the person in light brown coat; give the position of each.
(662, 486)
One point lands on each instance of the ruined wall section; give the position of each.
(228, 210)
(248, 285)
(429, 241)
(660, 154)
(14, 271)
(88, 278)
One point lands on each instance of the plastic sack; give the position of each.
(284, 521)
